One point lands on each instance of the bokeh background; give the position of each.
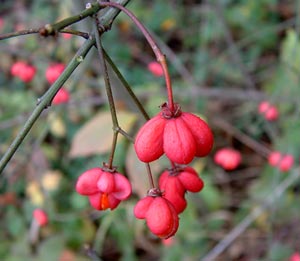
(225, 57)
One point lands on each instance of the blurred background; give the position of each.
(225, 57)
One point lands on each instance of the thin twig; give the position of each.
(245, 139)
(126, 86)
(109, 93)
(53, 29)
(255, 213)
(158, 53)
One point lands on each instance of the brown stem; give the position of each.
(151, 181)
(158, 53)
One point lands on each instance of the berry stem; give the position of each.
(108, 93)
(126, 86)
(52, 29)
(150, 176)
(158, 53)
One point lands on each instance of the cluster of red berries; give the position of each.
(283, 162)
(26, 72)
(269, 111)
(180, 136)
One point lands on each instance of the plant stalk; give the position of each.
(158, 53)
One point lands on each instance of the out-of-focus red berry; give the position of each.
(62, 96)
(286, 163)
(160, 215)
(228, 158)
(1, 23)
(283, 162)
(295, 257)
(66, 36)
(274, 158)
(54, 71)
(156, 69)
(40, 217)
(269, 111)
(23, 71)
(168, 242)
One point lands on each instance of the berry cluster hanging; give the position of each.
(180, 136)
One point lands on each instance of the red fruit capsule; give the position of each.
(105, 189)
(156, 69)
(174, 183)
(54, 71)
(286, 163)
(23, 71)
(269, 111)
(181, 136)
(149, 140)
(295, 257)
(283, 162)
(179, 143)
(40, 217)
(160, 215)
(228, 158)
(62, 96)
(202, 133)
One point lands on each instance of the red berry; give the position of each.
(54, 71)
(274, 158)
(269, 111)
(228, 158)
(286, 163)
(156, 69)
(149, 140)
(201, 132)
(23, 71)
(174, 183)
(181, 136)
(40, 216)
(283, 162)
(295, 257)
(17, 67)
(160, 215)
(62, 96)
(179, 143)
(105, 189)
